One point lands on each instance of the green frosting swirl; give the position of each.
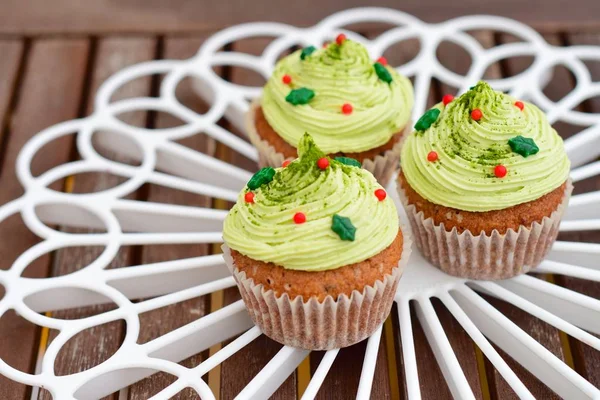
(468, 152)
(265, 230)
(338, 74)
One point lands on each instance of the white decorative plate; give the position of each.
(165, 162)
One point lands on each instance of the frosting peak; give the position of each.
(338, 74)
(492, 152)
(266, 228)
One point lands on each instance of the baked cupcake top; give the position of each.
(484, 151)
(345, 100)
(315, 214)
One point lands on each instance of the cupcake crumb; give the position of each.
(502, 220)
(321, 284)
(329, 288)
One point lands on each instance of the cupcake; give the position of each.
(484, 180)
(316, 250)
(351, 106)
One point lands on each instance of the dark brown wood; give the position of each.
(11, 51)
(166, 319)
(431, 380)
(240, 369)
(586, 359)
(10, 334)
(458, 60)
(464, 348)
(56, 69)
(50, 92)
(399, 54)
(108, 16)
(97, 344)
(343, 377)
(399, 358)
(542, 332)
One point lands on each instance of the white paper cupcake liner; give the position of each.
(318, 325)
(485, 257)
(382, 166)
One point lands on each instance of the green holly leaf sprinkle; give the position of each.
(427, 119)
(300, 96)
(382, 72)
(522, 145)
(349, 161)
(307, 51)
(343, 227)
(265, 175)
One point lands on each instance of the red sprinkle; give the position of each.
(382, 60)
(341, 38)
(447, 99)
(380, 194)
(286, 163)
(325, 44)
(520, 105)
(432, 156)
(476, 114)
(500, 171)
(299, 218)
(347, 108)
(249, 197)
(323, 163)
(286, 79)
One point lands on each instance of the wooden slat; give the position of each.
(390, 360)
(458, 60)
(106, 16)
(586, 359)
(540, 331)
(11, 51)
(9, 66)
(464, 348)
(50, 93)
(244, 365)
(237, 371)
(161, 321)
(164, 320)
(343, 377)
(431, 380)
(95, 345)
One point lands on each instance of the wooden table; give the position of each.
(54, 55)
